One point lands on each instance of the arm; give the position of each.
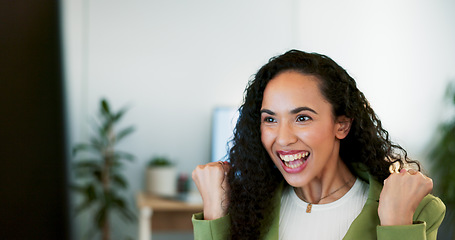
(406, 211)
(217, 229)
(211, 181)
(426, 221)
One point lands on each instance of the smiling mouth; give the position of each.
(294, 160)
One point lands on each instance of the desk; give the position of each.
(161, 214)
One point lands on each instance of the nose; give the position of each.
(285, 135)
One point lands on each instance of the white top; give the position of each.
(326, 221)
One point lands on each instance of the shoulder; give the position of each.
(431, 212)
(430, 207)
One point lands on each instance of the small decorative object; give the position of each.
(442, 157)
(183, 184)
(161, 177)
(98, 172)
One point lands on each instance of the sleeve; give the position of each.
(427, 219)
(217, 229)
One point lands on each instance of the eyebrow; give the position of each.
(299, 109)
(267, 111)
(293, 111)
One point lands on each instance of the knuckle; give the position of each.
(430, 182)
(194, 174)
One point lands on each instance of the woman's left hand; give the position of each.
(401, 195)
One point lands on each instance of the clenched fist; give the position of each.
(211, 181)
(401, 195)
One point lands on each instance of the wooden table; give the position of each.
(162, 214)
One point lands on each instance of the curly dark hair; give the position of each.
(254, 178)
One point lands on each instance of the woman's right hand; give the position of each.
(211, 181)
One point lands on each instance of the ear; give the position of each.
(342, 126)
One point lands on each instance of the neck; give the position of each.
(331, 185)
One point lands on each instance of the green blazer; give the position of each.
(427, 218)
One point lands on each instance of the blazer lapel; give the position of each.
(364, 226)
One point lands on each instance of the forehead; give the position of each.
(293, 82)
(291, 89)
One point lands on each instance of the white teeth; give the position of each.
(290, 158)
(292, 165)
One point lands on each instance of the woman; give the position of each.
(311, 161)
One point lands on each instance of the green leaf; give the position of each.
(83, 206)
(124, 155)
(127, 214)
(97, 144)
(89, 195)
(88, 164)
(119, 181)
(125, 132)
(105, 109)
(83, 174)
(450, 92)
(116, 165)
(106, 128)
(86, 167)
(87, 190)
(122, 208)
(97, 175)
(159, 161)
(84, 147)
(117, 116)
(101, 216)
(91, 192)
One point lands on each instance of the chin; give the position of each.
(295, 181)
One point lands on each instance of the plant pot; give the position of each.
(162, 181)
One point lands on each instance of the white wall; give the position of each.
(401, 53)
(174, 61)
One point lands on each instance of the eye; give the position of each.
(303, 118)
(268, 120)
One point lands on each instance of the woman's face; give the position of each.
(298, 128)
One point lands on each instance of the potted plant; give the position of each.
(98, 172)
(161, 177)
(442, 156)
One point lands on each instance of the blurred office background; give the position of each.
(174, 62)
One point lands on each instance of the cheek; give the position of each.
(319, 136)
(312, 136)
(266, 138)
